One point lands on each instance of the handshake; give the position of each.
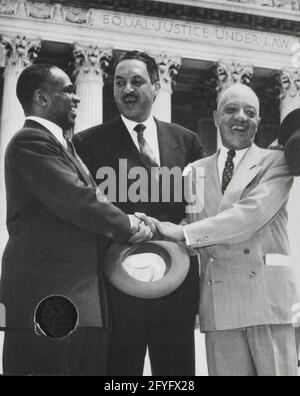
(145, 228)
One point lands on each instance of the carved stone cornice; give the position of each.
(229, 73)
(81, 12)
(19, 52)
(168, 69)
(91, 61)
(282, 4)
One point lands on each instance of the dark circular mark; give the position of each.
(56, 317)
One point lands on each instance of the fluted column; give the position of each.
(289, 101)
(168, 69)
(230, 73)
(90, 64)
(19, 53)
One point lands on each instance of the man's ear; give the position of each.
(258, 122)
(40, 98)
(216, 119)
(157, 88)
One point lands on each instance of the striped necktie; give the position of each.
(228, 170)
(145, 150)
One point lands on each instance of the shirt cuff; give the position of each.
(187, 239)
(131, 223)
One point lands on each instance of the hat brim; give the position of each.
(177, 262)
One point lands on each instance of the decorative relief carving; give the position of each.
(7, 7)
(229, 73)
(288, 4)
(91, 60)
(22, 9)
(168, 68)
(58, 13)
(76, 15)
(40, 10)
(20, 52)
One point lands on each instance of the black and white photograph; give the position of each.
(150, 190)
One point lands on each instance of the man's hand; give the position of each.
(139, 230)
(147, 220)
(170, 231)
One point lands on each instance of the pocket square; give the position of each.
(277, 260)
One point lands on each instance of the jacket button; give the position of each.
(253, 274)
(209, 283)
(212, 259)
(247, 251)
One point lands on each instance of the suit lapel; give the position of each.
(49, 135)
(170, 152)
(246, 171)
(212, 189)
(83, 172)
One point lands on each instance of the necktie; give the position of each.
(228, 170)
(145, 150)
(72, 151)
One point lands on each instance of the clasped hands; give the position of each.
(145, 228)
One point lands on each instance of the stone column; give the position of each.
(90, 64)
(19, 53)
(168, 69)
(230, 73)
(289, 101)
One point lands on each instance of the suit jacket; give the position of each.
(243, 243)
(55, 223)
(104, 145)
(290, 137)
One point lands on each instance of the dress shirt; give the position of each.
(150, 135)
(51, 127)
(223, 154)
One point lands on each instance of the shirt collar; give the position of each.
(239, 153)
(51, 127)
(130, 125)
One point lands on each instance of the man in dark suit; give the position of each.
(289, 138)
(58, 222)
(164, 325)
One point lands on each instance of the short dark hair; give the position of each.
(31, 79)
(149, 61)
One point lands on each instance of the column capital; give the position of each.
(229, 73)
(19, 52)
(91, 61)
(168, 69)
(289, 81)
(289, 86)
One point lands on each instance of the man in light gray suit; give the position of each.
(247, 284)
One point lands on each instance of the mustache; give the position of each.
(130, 96)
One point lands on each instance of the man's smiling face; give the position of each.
(237, 117)
(133, 90)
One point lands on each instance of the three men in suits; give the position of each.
(164, 325)
(58, 224)
(247, 284)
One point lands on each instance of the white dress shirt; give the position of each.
(223, 154)
(150, 135)
(51, 127)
